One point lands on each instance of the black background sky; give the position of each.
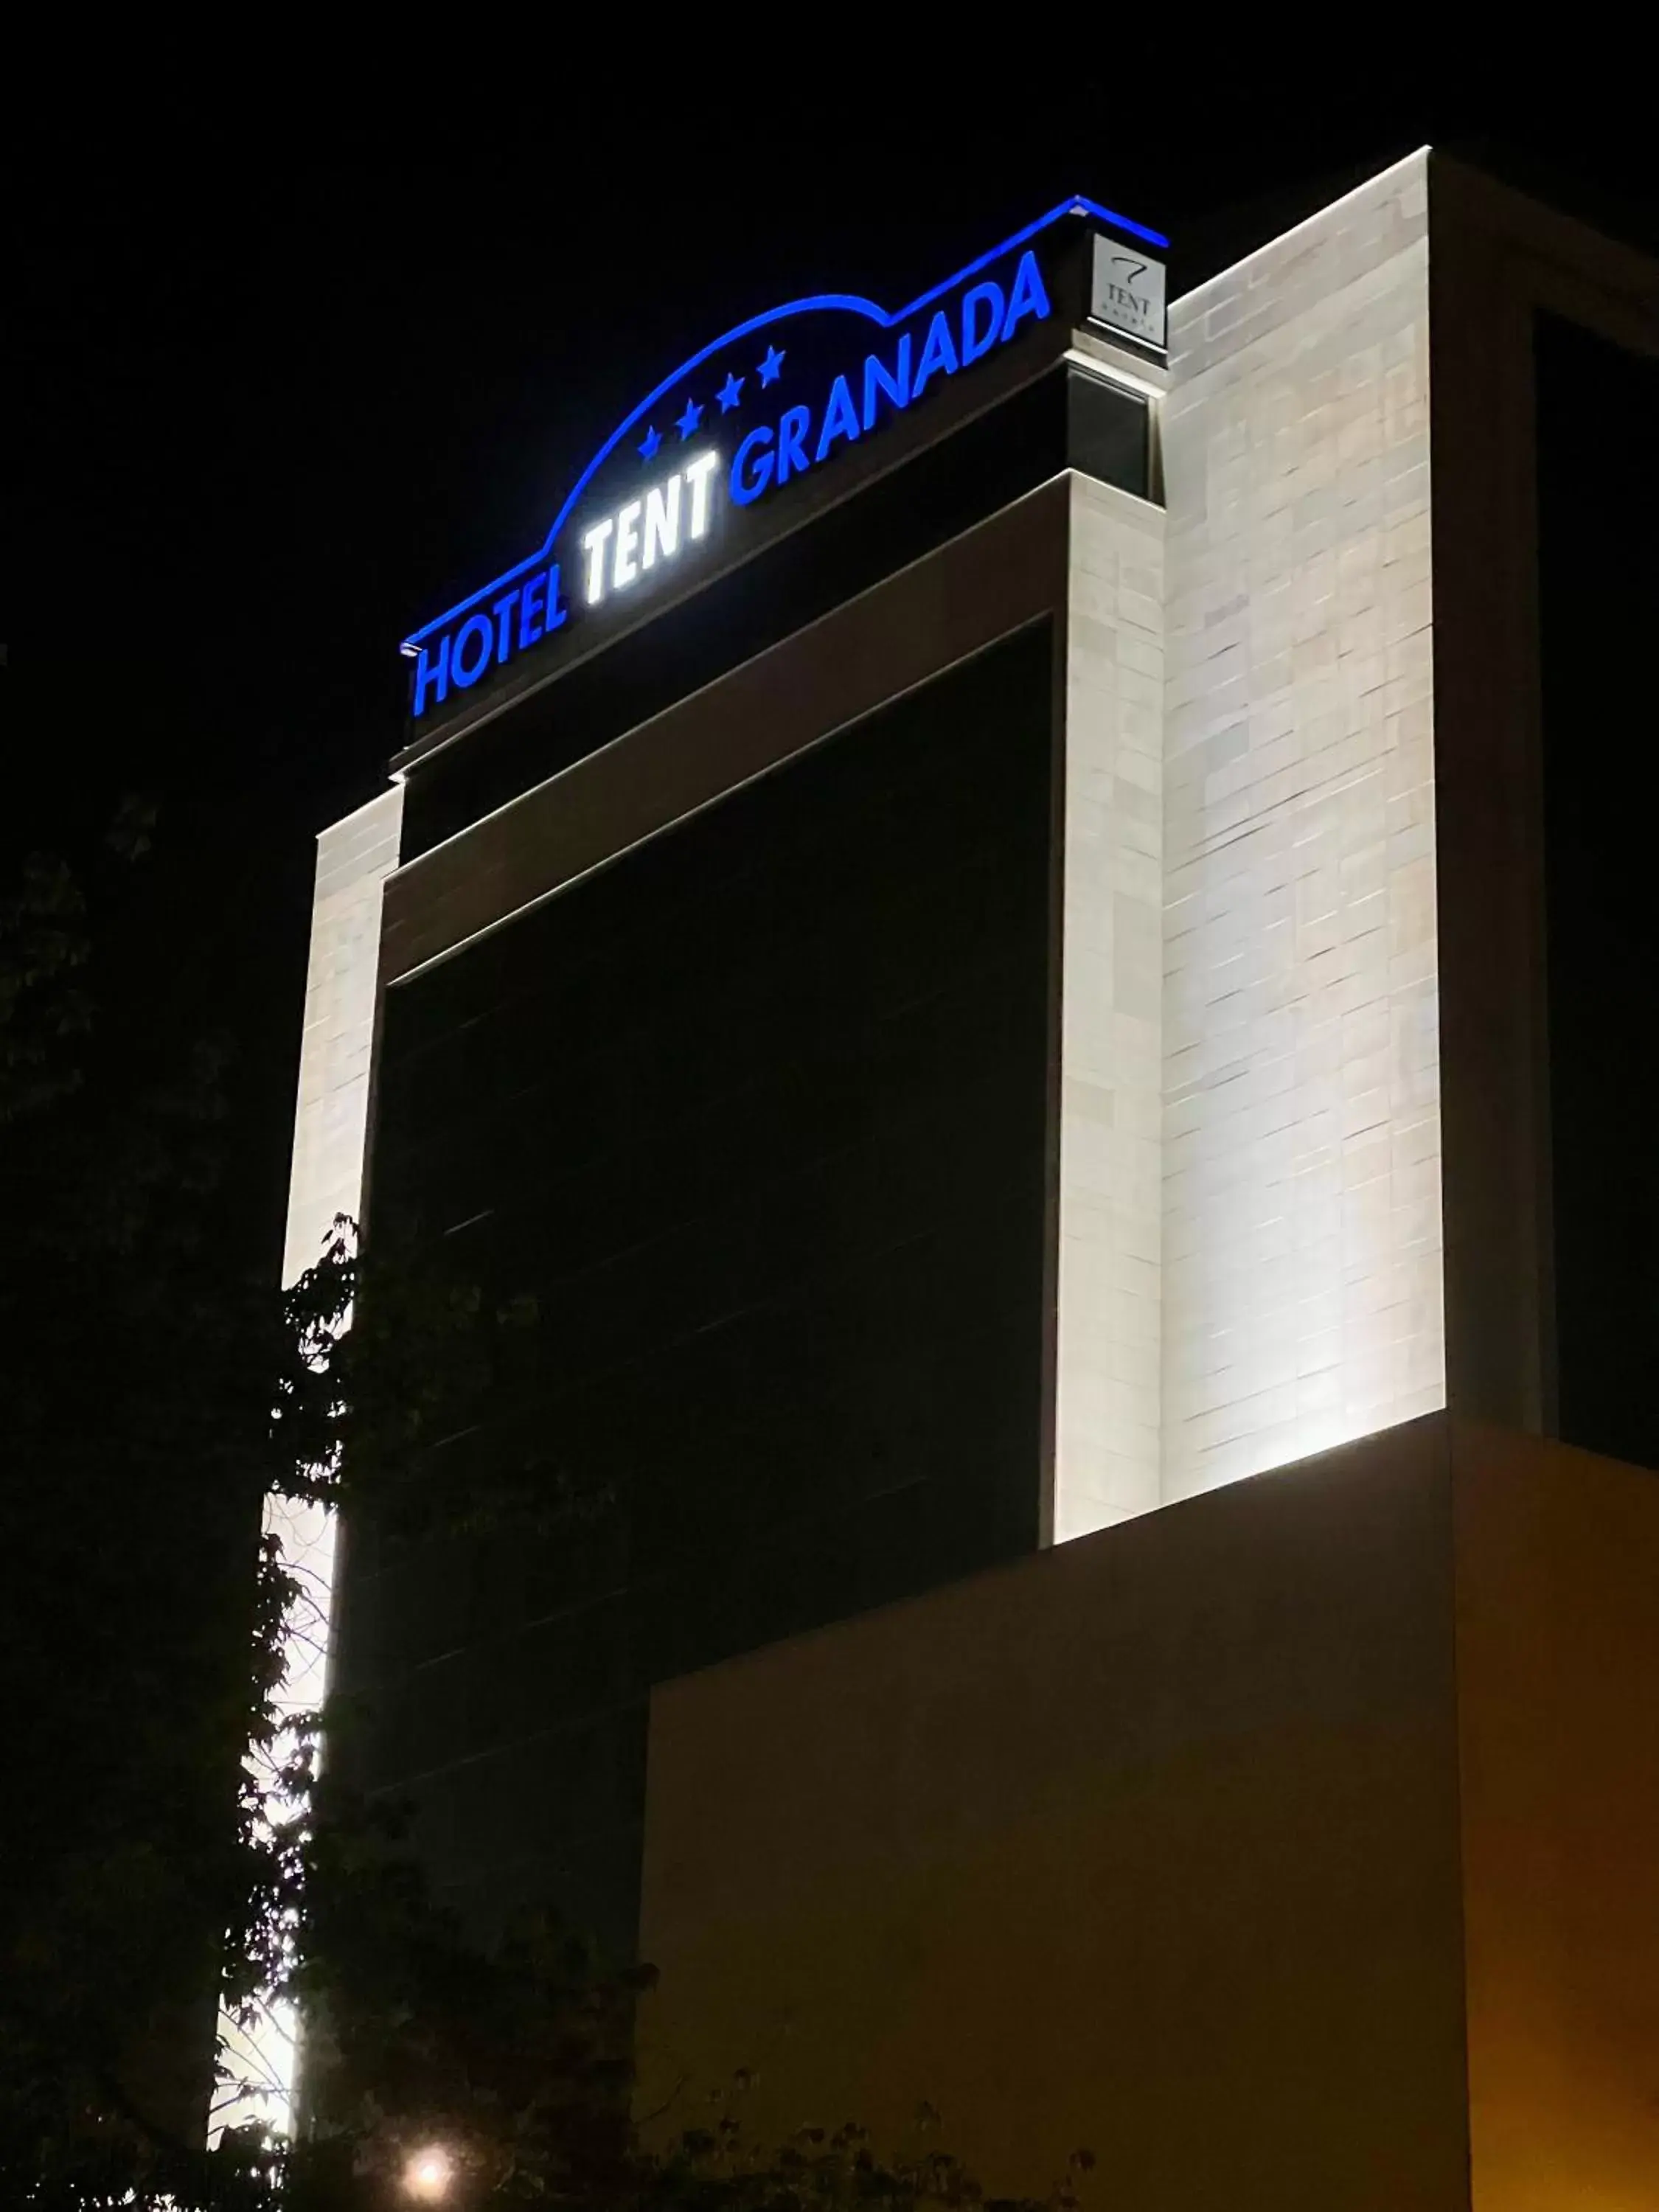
(296, 374)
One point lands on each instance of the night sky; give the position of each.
(292, 384)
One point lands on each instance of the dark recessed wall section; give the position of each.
(1067, 417)
(1598, 491)
(1108, 433)
(758, 1115)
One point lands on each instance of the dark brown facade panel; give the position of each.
(993, 579)
(1494, 260)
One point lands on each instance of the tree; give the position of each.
(168, 1834)
(153, 1396)
(134, 1441)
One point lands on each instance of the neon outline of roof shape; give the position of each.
(848, 302)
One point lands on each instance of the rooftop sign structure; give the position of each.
(759, 408)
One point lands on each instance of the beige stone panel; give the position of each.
(1293, 1846)
(330, 1119)
(1147, 1844)
(1300, 1175)
(353, 859)
(1558, 1656)
(1109, 1195)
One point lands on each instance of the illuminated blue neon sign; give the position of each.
(690, 470)
(800, 441)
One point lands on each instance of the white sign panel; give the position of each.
(1127, 291)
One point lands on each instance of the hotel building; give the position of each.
(1032, 926)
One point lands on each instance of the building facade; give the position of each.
(1013, 920)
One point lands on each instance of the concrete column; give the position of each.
(1301, 1225)
(1106, 1421)
(353, 859)
(331, 1121)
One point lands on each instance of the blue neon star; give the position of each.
(729, 391)
(649, 443)
(771, 365)
(686, 423)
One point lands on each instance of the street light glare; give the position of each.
(428, 2175)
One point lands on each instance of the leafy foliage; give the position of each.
(167, 1830)
(135, 1446)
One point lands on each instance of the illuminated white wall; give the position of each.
(1302, 1233)
(1106, 1375)
(354, 858)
